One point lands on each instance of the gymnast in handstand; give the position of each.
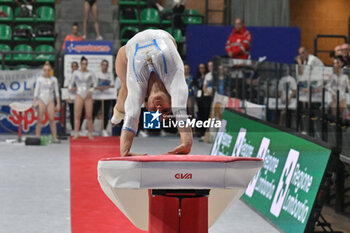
(149, 65)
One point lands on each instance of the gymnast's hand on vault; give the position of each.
(183, 148)
(134, 154)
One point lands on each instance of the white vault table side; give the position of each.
(126, 183)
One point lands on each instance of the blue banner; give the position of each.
(89, 47)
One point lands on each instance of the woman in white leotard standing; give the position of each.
(46, 89)
(150, 65)
(85, 83)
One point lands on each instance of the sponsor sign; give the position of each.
(10, 121)
(285, 189)
(17, 86)
(94, 51)
(183, 176)
(89, 47)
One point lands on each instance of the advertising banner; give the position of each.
(10, 121)
(285, 189)
(94, 51)
(17, 85)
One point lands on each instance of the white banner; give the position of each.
(16, 85)
(94, 62)
(255, 110)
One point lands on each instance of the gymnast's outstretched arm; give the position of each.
(132, 109)
(120, 69)
(178, 91)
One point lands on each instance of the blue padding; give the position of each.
(279, 44)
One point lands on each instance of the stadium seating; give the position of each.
(6, 11)
(142, 2)
(166, 20)
(21, 57)
(177, 34)
(128, 2)
(45, 1)
(44, 57)
(4, 68)
(19, 19)
(43, 17)
(132, 3)
(22, 67)
(150, 16)
(127, 33)
(45, 14)
(5, 47)
(6, 1)
(132, 18)
(24, 26)
(193, 19)
(5, 32)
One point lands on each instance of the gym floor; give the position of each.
(35, 189)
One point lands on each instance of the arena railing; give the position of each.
(313, 111)
(317, 37)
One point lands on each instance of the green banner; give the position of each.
(285, 188)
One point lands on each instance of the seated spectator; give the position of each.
(337, 51)
(338, 82)
(72, 37)
(26, 7)
(345, 50)
(282, 87)
(306, 59)
(239, 41)
(285, 82)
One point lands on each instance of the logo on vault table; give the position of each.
(183, 176)
(151, 120)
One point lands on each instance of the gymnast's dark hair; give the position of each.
(83, 59)
(75, 24)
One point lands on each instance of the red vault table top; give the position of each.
(126, 180)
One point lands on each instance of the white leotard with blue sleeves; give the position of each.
(45, 88)
(153, 51)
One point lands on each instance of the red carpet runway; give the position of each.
(91, 210)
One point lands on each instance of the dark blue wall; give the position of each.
(279, 44)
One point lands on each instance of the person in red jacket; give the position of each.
(239, 41)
